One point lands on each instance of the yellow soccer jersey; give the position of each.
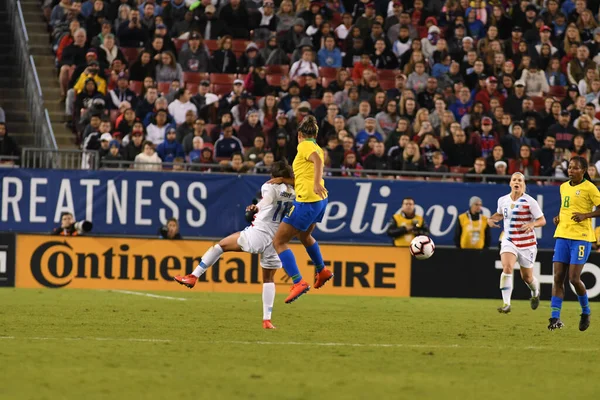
(304, 172)
(577, 199)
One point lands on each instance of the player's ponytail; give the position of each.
(584, 166)
(309, 127)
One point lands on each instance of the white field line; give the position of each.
(156, 296)
(324, 344)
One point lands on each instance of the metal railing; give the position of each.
(42, 127)
(59, 159)
(90, 160)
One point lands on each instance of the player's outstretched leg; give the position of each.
(558, 293)
(208, 259)
(580, 289)
(506, 281)
(268, 297)
(284, 234)
(533, 285)
(322, 274)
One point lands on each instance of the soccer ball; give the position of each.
(422, 247)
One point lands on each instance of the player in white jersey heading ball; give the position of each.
(521, 214)
(257, 238)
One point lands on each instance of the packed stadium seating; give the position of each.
(396, 71)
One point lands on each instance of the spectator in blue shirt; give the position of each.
(170, 148)
(370, 130)
(227, 144)
(463, 104)
(329, 55)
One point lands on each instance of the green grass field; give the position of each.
(76, 344)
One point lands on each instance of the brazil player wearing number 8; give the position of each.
(574, 237)
(257, 238)
(521, 214)
(308, 209)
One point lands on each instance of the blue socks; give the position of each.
(556, 305)
(585, 305)
(315, 255)
(289, 265)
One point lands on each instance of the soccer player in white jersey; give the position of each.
(521, 214)
(257, 238)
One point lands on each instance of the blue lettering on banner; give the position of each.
(213, 205)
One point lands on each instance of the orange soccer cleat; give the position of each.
(188, 280)
(268, 325)
(322, 277)
(297, 290)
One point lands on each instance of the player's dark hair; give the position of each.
(308, 127)
(409, 199)
(584, 166)
(281, 169)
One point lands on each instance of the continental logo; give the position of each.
(106, 263)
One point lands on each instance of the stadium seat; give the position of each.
(387, 74)
(557, 91)
(195, 77)
(192, 87)
(238, 46)
(212, 45)
(538, 103)
(301, 80)
(328, 72)
(387, 84)
(179, 44)
(222, 79)
(221, 89)
(336, 20)
(314, 103)
(274, 80)
(164, 87)
(278, 69)
(131, 53)
(136, 87)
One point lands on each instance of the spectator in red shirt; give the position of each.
(525, 163)
(364, 63)
(490, 90)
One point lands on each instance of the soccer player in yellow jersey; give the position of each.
(574, 237)
(307, 210)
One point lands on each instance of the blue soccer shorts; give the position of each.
(568, 251)
(302, 215)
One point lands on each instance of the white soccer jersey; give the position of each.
(276, 202)
(517, 213)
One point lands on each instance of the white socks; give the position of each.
(268, 298)
(208, 259)
(534, 286)
(506, 287)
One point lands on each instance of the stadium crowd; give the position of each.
(486, 87)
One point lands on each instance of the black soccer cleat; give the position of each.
(535, 302)
(555, 323)
(584, 322)
(505, 309)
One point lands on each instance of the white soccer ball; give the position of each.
(422, 247)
